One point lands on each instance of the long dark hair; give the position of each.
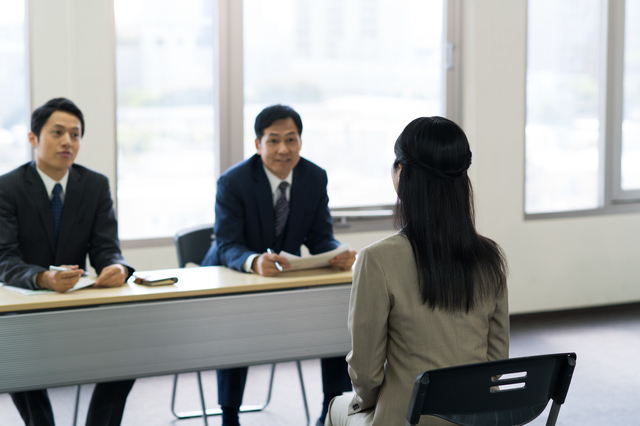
(456, 266)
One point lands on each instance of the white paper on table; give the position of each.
(82, 283)
(315, 261)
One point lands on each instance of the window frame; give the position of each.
(612, 199)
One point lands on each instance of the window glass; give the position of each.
(14, 107)
(165, 116)
(630, 179)
(357, 72)
(562, 123)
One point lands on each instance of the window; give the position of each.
(357, 72)
(583, 107)
(630, 160)
(14, 109)
(165, 116)
(563, 94)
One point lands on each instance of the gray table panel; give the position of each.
(111, 342)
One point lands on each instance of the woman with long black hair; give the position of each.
(433, 295)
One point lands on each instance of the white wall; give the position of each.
(555, 263)
(72, 48)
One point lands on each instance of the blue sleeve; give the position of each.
(229, 228)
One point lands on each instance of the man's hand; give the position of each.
(265, 264)
(345, 260)
(60, 281)
(111, 276)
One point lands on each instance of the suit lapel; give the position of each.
(297, 203)
(71, 206)
(40, 199)
(264, 199)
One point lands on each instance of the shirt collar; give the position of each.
(275, 181)
(49, 183)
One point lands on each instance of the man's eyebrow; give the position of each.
(62, 127)
(278, 134)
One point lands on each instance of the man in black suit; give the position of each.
(53, 212)
(274, 200)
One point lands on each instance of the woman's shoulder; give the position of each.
(396, 244)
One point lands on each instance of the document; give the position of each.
(315, 261)
(82, 283)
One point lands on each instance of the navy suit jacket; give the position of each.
(245, 215)
(27, 239)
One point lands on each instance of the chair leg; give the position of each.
(553, 414)
(204, 407)
(75, 410)
(217, 411)
(304, 393)
(173, 397)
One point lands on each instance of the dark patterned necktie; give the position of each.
(281, 209)
(56, 207)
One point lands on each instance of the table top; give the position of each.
(192, 282)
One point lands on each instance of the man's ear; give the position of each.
(258, 145)
(33, 139)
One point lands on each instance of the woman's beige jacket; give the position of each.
(395, 337)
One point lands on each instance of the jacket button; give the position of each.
(356, 406)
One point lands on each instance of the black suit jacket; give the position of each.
(87, 226)
(245, 215)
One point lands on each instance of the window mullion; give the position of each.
(614, 102)
(452, 72)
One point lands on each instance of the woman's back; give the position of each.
(432, 296)
(395, 325)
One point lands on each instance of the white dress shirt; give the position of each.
(49, 183)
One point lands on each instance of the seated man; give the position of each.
(274, 201)
(54, 212)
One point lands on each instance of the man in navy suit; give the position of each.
(274, 200)
(53, 212)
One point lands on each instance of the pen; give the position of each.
(61, 269)
(277, 264)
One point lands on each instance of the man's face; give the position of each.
(280, 146)
(58, 144)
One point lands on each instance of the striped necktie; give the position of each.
(56, 208)
(281, 209)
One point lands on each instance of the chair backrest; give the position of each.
(497, 393)
(192, 244)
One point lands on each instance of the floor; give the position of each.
(604, 390)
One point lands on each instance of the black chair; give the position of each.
(497, 393)
(192, 245)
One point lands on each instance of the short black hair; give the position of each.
(274, 113)
(42, 114)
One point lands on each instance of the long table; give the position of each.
(212, 318)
